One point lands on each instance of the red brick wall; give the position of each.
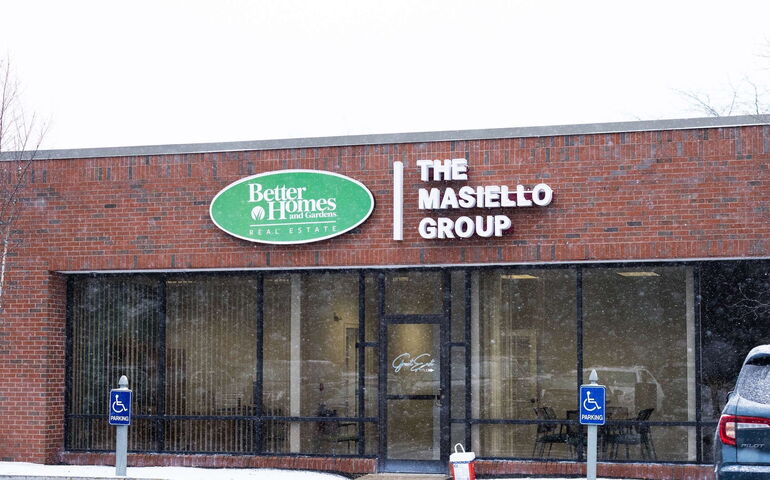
(652, 195)
(299, 462)
(674, 194)
(494, 468)
(32, 363)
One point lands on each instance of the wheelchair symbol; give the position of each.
(117, 406)
(590, 401)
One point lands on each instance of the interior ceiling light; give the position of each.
(278, 279)
(638, 274)
(522, 276)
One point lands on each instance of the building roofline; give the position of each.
(394, 138)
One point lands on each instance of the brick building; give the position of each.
(466, 304)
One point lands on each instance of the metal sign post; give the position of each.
(120, 415)
(592, 413)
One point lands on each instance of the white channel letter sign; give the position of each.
(462, 198)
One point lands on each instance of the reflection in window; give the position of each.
(311, 360)
(629, 313)
(211, 362)
(114, 327)
(638, 333)
(413, 370)
(276, 356)
(414, 293)
(735, 308)
(526, 341)
(644, 442)
(458, 306)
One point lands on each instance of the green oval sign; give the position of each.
(291, 206)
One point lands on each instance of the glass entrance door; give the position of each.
(414, 373)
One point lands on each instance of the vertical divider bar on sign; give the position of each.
(398, 200)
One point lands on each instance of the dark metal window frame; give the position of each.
(443, 321)
(468, 421)
(258, 418)
(579, 268)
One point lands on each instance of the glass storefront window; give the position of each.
(371, 308)
(114, 331)
(329, 333)
(276, 360)
(628, 313)
(189, 345)
(526, 352)
(457, 376)
(414, 293)
(735, 307)
(196, 435)
(311, 361)
(530, 442)
(413, 390)
(458, 305)
(211, 361)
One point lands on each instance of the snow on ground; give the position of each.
(173, 473)
(165, 473)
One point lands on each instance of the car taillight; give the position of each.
(727, 429)
(728, 424)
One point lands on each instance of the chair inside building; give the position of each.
(339, 436)
(637, 433)
(548, 433)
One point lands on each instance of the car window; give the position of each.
(754, 380)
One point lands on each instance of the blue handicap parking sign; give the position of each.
(592, 405)
(120, 407)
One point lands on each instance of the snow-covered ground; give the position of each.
(170, 473)
(165, 473)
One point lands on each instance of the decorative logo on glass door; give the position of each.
(419, 363)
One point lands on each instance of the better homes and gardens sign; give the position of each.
(291, 206)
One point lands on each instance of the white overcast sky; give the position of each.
(109, 73)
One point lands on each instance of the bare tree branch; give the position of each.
(702, 101)
(747, 98)
(20, 140)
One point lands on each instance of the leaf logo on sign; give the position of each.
(291, 206)
(258, 213)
